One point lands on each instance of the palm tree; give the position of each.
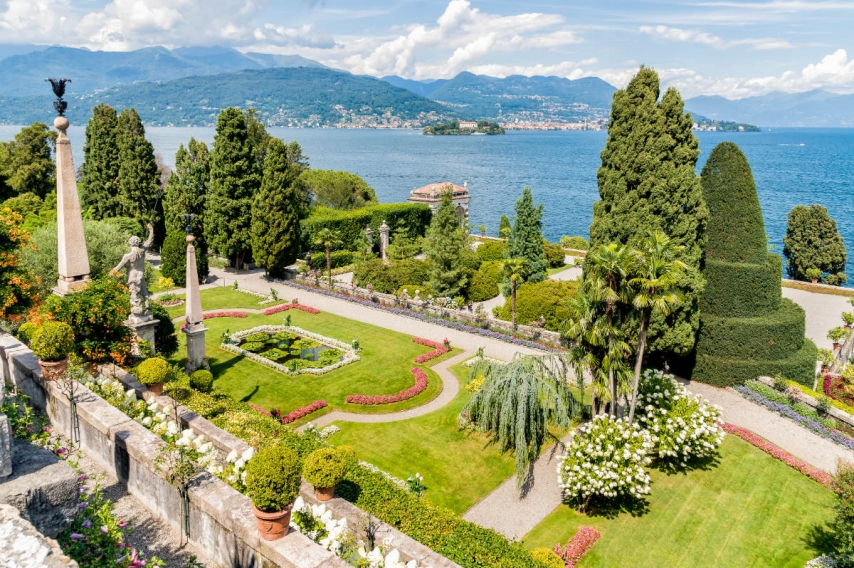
(514, 270)
(328, 239)
(657, 273)
(589, 338)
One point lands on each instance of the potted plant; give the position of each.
(813, 274)
(848, 319)
(825, 356)
(153, 373)
(324, 468)
(272, 483)
(51, 343)
(835, 335)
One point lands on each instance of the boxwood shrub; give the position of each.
(351, 224)
(325, 467)
(202, 380)
(554, 254)
(389, 278)
(153, 371)
(273, 479)
(492, 250)
(53, 341)
(741, 289)
(337, 258)
(483, 285)
(726, 372)
(547, 298)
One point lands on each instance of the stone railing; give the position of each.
(220, 518)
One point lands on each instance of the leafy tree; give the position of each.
(328, 239)
(813, 241)
(402, 245)
(138, 186)
(26, 165)
(514, 271)
(504, 227)
(259, 139)
(338, 190)
(17, 285)
(519, 402)
(526, 239)
(444, 246)
(24, 204)
(647, 182)
(276, 211)
(235, 178)
(99, 173)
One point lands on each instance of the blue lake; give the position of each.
(791, 166)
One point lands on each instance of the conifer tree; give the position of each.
(235, 178)
(187, 192)
(526, 239)
(276, 211)
(813, 241)
(100, 169)
(647, 182)
(504, 227)
(444, 247)
(139, 177)
(26, 164)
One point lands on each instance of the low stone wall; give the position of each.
(25, 547)
(807, 399)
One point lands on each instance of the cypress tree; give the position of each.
(235, 178)
(444, 247)
(187, 192)
(813, 241)
(746, 328)
(100, 169)
(173, 258)
(139, 178)
(647, 182)
(526, 239)
(276, 211)
(504, 227)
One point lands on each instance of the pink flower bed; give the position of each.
(438, 350)
(419, 387)
(300, 412)
(814, 473)
(292, 306)
(258, 408)
(577, 546)
(212, 315)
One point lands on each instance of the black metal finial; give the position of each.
(188, 219)
(58, 86)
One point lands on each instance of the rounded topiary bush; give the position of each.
(53, 341)
(325, 467)
(483, 285)
(26, 331)
(492, 250)
(273, 479)
(202, 380)
(548, 298)
(153, 371)
(547, 557)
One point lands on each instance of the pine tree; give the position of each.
(187, 192)
(647, 182)
(526, 239)
(504, 227)
(139, 178)
(235, 178)
(276, 211)
(26, 164)
(444, 246)
(813, 241)
(100, 169)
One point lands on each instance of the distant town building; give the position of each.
(431, 195)
(468, 125)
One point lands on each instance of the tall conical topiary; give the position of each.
(746, 328)
(99, 173)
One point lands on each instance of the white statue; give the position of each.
(135, 262)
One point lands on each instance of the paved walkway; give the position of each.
(824, 312)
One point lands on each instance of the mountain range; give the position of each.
(812, 108)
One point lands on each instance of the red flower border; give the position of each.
(420, 386)
(291, 306)
(212, 315)
(577, 546)
(438, 350)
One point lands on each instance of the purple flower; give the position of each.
(81, 477)
(76, 536)
(104, 529)
(87, 524)
(83, 505)
(122, 524)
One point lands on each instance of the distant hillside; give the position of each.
(24, 74)
(300, 96)
(813, 108)
(423, 88)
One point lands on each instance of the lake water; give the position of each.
(791, 166)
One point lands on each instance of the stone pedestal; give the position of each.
(195, 328)
(5, 446)
(72, 257)
(143, 330)
(384, 231)
(196, 354)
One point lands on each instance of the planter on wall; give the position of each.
(273, 526)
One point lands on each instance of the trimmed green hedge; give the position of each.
(351, 224)
(742, 290)
(492, 250)
(484, 282)
(554, 254)
(773, 336)
(387, 279)
(337, 258)
(548, 298)
(724, 372)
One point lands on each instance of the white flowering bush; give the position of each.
(606, 457)
(234, 473)
(681, 426)
(823, 561)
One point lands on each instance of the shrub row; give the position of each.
(742, 290)
(773, 336)
(387, 279)
(338, 258)
(547, 298)
(726, 372)
(351, 224)
(420, 386)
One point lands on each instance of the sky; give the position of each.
(733, 48)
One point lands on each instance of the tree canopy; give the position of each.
(26, 163)
(444, 247)
(813, 241)
(338, 190)
(526, 238)
(99, 173)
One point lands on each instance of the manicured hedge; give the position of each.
(387, 279)
(773, 336)
(351, 224)
(484, 282)
(547, 298)
(338, 258)
(724, 372)
(492, 250)
(742, 290)
(554, 254)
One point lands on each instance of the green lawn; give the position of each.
(748, 509)
(223, 298)
(459, 467)
(560, 269)
(387, 358)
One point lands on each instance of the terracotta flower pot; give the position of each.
(156, 389)
(324, 493)
(836, 346)
(273, 526)
(847, 327)
(815, 280)
(52, 370)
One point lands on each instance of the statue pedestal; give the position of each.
(67, 285)
(5, 446)
(196, 354)
(143, 330)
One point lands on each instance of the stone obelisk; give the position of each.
(195, 328)
(72, 255)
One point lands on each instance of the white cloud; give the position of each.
(697, 36)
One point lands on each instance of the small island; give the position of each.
(708, 124)
(464, 127)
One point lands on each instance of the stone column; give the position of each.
(195, 328)
(384, 230)
(72, 255)
(5, 433)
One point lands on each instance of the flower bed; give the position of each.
(438, 350)
(170, 303)
(577, 546)
(451, 324)
(814, 473)
(420, 386)
(291, 306)
(212, 315)
(471, 362)
(834, 387)
(793, 414)
(295, 415)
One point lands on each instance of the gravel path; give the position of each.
(824, 312)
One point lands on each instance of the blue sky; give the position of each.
(733, 48)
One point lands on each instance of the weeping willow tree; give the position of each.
(517, 404)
